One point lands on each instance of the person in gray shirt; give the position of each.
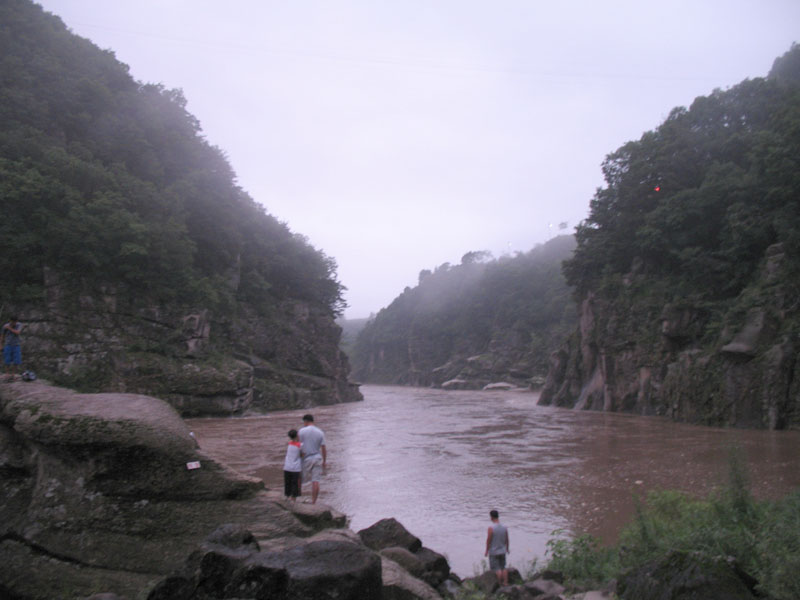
(315, 454)
(497, 546)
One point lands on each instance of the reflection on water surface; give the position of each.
(438, 461)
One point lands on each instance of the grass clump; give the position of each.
(762, 536)
(582, 559)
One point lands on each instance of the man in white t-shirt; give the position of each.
(315, 455)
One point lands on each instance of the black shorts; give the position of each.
(291, 483)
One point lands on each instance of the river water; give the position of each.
(438, 461)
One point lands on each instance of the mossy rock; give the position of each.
(687, 576)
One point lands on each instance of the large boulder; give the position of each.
(99, 493)
(687, 576)
(406, 559)
(387, 533)
(486, 583)
(399, 584)
(310, 570)
(435, 565)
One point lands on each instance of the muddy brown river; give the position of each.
(438, 461)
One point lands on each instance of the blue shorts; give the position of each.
(497, 562)
(12, 355)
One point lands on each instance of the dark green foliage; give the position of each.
(689, 262)
(519, 305)
(698, 200)
(687, 576)
(762, 536)
(581, 559)
(108, 181)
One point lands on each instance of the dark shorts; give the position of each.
(12, 355)
(291, 483)
(497, 562)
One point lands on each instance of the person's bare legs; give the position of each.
(314, 491)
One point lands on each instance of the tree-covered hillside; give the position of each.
(127, 247)
(105, 179)
(484, 320)
(699, 199)
(688, 265)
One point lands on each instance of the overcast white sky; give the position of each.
(399, 135)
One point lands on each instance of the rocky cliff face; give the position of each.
(107, 493)
(131, 255)
(692, 362)
(203, 364)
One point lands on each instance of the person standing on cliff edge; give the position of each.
(12, 352)
(315, 454)
(497, 546)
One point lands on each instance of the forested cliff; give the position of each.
(130, 254)
(687, 268)
(465, 326)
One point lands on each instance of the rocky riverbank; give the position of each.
(109, 494)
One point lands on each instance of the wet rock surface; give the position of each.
(316, 569)
(105, 494)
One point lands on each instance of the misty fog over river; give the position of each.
(438, 461)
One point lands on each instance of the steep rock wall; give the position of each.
(631, 353)
(203, 364)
